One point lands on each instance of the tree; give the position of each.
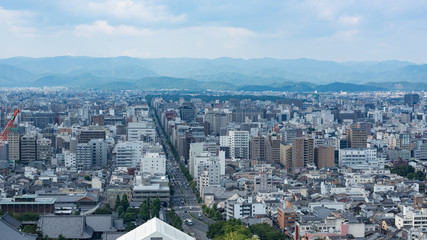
(60, 237)
(117, 203)
(129, 217)
(29, 229)
(119, 210)
(87, 178)
(155, 207)
(130, 226)
(124, 202)
(144, 211)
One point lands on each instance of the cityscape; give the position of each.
(295, 165)
(213, 120)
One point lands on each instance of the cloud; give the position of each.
(143, 10)
(349, 20)
(17, 22)
(102, 27)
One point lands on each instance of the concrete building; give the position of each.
(286, 218)
(357, 137)
(150, 186)
(187, 112)
(128, 154)
(99, 153)
(87, 135)
(239, 144)
(69, 159)
(154, 163)
(28, 148)
(263, 182)
(324, 157)
(286, 155)
(13, 141)
(141, 131)
(83, 157)
(237, 207)
(44, 150)
(302, 152)
(261, 151)
(414, 218)
(360, 158)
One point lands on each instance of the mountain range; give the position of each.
(264, 74)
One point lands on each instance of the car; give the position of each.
(191, 207)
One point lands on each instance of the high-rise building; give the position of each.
(128, 154)
(302, 152)
(187, 112)
(83, 156)
(411, 99)
(275, 148)
(44, 150)
(239, 144)
(324, 157)
(260, 150)
(357, 138)
(28, 149)
(14, 140)
(99, 153)
(286, 155)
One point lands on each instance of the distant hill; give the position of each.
(262, 74)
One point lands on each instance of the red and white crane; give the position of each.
(6, 130)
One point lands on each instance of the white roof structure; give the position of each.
(155, 229)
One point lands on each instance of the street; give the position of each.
(184, 202)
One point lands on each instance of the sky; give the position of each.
(337, 30)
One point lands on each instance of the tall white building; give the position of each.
(153, 162)
(128, 154)
(239, 144)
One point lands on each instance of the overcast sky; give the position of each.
(337, 30)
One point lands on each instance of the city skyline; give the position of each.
(328, 30)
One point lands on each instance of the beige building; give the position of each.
(13, 140)
(286, 155)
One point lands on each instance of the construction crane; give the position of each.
(6, 130)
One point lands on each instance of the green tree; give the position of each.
(144, 211)
(117, 203)
(155, 207)
(129, 217)
(87, 178)
(130, 226)
(29, 229)
(119, 210)
(60, 237)
(124, 202)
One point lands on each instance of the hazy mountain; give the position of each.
(221, 73)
